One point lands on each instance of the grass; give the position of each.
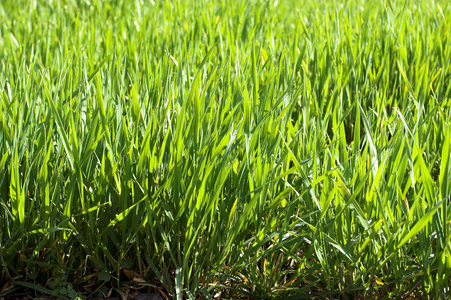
(226, 149)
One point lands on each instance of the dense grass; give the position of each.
(225, 149)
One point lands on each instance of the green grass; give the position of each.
(226, 149)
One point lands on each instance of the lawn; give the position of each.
(225, 149)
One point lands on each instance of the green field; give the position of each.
(225, 149)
